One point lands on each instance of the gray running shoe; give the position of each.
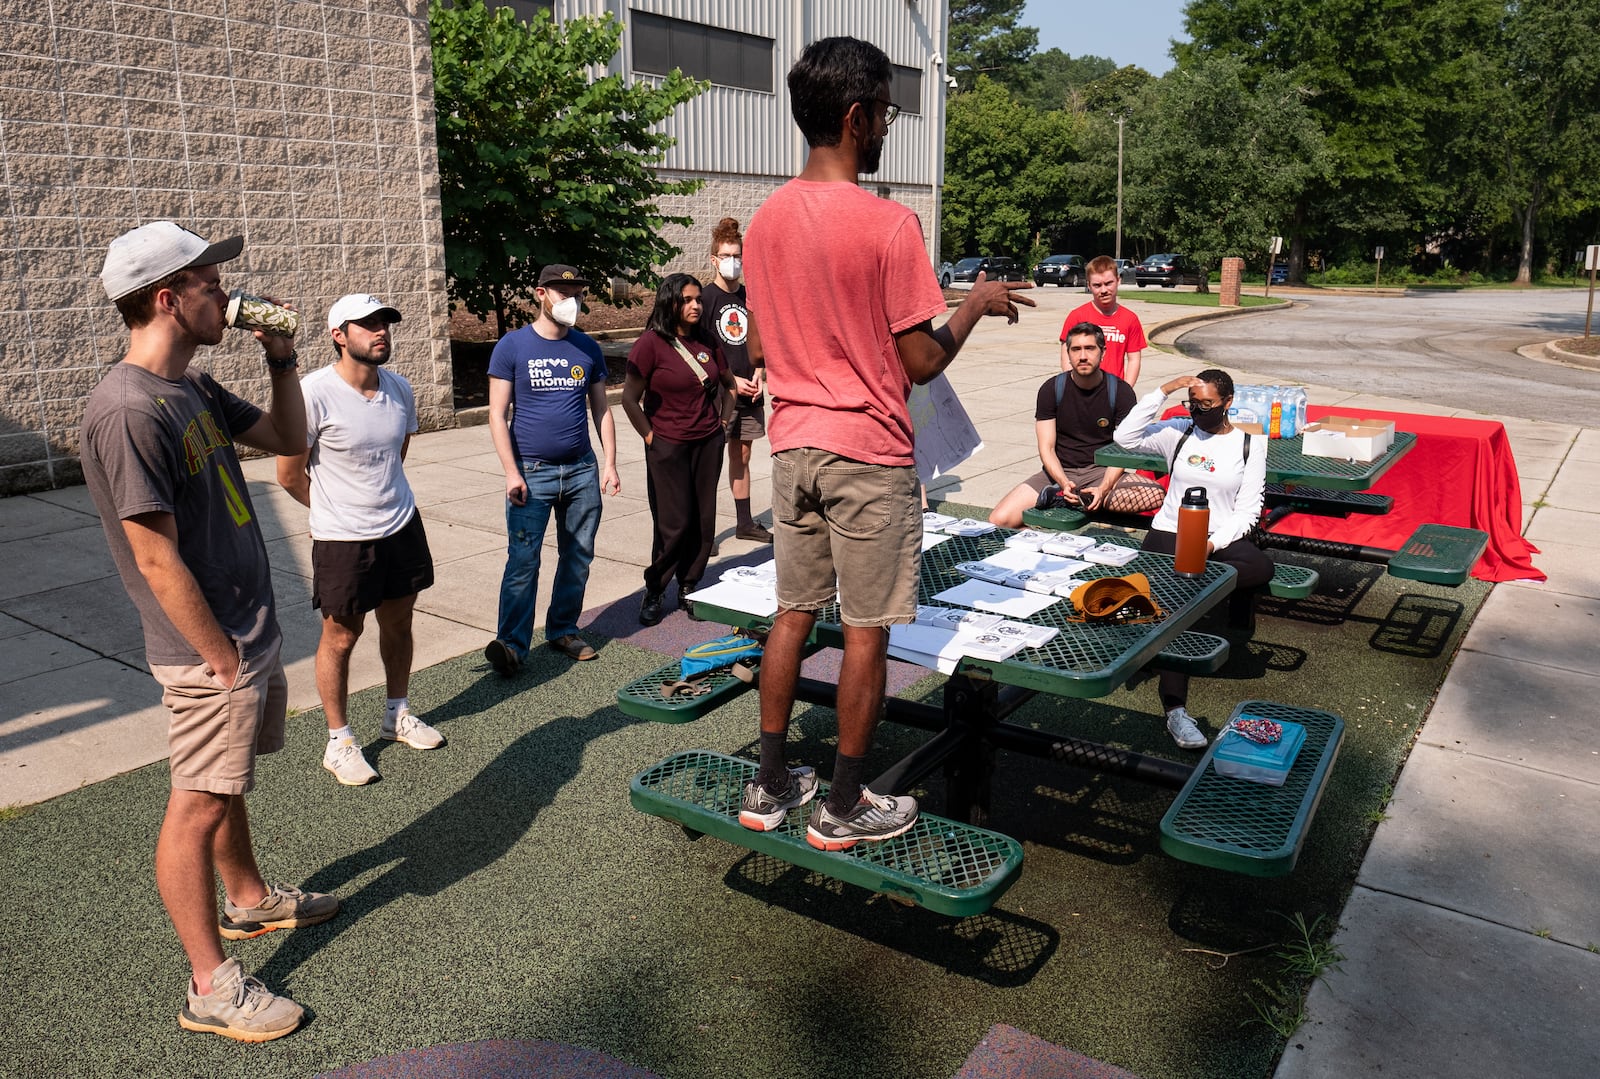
(762, 812)
(347, 763)
(239, 1007)
(875, 817)
(412, 731)
(283, 908)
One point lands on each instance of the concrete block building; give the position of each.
(307, 126)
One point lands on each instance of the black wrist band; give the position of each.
(285, 365)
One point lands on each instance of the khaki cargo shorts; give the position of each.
(215, 732)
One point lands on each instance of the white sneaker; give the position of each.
(412, 731)
(345, 760)
(1184, 731)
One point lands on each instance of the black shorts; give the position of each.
(355, 576)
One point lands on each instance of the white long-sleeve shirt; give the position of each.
(1234, 487)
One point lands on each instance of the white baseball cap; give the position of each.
(145, 255)
(357, 306)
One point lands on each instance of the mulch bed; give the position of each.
(1583, 346)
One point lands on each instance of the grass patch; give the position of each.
(1199, 299)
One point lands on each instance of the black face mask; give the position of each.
(1209, 421)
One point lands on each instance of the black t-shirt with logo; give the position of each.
(725, 322)
(1085, 419)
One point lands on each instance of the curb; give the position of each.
(1553, 351)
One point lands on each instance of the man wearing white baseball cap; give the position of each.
(368, 548)
(158, 457)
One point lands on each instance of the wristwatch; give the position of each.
(285, 365)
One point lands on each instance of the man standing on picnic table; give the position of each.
(1124, 333)
(159, 462)
(846, 510)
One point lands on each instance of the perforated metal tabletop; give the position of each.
(1286, 464)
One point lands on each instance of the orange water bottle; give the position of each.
(1194, 526)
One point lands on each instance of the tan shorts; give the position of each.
(214, 734)
(846, 525)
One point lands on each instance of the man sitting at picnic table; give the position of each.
(1074, 415)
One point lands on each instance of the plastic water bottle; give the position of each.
(1194, 527)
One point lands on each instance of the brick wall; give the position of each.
(304, 125)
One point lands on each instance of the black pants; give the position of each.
(681, 482)
(1254, 569)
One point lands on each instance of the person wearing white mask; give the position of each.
(726, 324)
(547, 380)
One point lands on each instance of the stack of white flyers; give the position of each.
(934, 522)
(1059, 582)
(1065, 543)
(969, 526)
(1111, 554)
(1030, 539)
(751, 589)
(999, 598)
(941, 636)
(985, 571)
(955, 619)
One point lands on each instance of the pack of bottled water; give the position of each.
(1280, 411)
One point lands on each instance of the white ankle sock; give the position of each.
(337, 734)
(393, 706)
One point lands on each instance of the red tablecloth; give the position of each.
(1461, 472)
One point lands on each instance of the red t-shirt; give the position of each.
(833, 273)
(679, 407)
(1123, 333)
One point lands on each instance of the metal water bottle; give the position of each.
(1194, 526)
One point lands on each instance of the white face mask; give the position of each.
(565, 311)
(730, 267)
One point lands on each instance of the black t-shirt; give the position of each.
(1085, 419)
(725, 323)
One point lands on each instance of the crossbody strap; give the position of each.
(694, 365)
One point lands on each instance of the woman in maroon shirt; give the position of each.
(671, 398)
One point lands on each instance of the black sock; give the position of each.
(774, 771)
(741, 509)
(846, 789)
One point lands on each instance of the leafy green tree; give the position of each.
(1115, 92)
(986, 40)
(1007, 172)
(1216, 166)
(1057, 80)
(542, 161)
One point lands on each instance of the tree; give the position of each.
(1057, 80)
(1216, 166)
(986, 40)
(540, 159)
(1006, 172)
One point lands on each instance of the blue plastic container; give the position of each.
(1239, 757)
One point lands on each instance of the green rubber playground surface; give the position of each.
(503, 887)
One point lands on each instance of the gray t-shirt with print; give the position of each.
(156, 445)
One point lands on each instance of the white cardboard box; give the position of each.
(1348, 438)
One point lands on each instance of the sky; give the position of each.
(1134, 32)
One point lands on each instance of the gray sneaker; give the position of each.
(874, 817)
(411, 731)
(1184, 730)
(239, 1007)
(283, 908)
(762, 812)
(347, 763)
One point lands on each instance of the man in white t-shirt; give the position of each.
(368, 548)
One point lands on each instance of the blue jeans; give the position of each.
(572, 490)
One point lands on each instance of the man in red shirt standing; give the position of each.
(846, 511)
(1124, 334)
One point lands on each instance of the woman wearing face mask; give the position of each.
(726, 325)
(1204, 450)
(670, 397)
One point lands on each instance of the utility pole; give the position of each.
(1120, 120)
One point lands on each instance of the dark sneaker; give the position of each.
(685, 594)
(874, 817)
(283, 908)
(756, 533)
(650, 609)
(573, 647)
(762, 812)
(239, 1007)
(501, 658)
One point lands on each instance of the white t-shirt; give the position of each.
(1234, 487)
(359, 490)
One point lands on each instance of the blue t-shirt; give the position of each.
(550, 383)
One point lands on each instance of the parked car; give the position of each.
(945, 270)
(1126, 271)
(1065, 271)
(1168, 270)
(994, 269)
(1280, 273)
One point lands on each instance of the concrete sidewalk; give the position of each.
(1480, 880)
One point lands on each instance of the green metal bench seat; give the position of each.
(940, 864)
(644, 698)
(1247, 827)
(1439, 554)
(1292, 582)
(1055, 519)
(1319, 500)
(1193, 653)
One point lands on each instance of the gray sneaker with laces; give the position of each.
(283, 908)
(762, 812)
(239, 1007)
(411, 731)
(875, 817)
(349, 765)
(1184, 730)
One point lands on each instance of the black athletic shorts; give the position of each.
(355, 576)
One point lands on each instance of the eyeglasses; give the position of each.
(1202, 406)
(890, 110)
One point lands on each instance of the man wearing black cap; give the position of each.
(158, 457)
(546, 381)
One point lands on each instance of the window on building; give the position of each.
(725, 57)
(905, 89)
